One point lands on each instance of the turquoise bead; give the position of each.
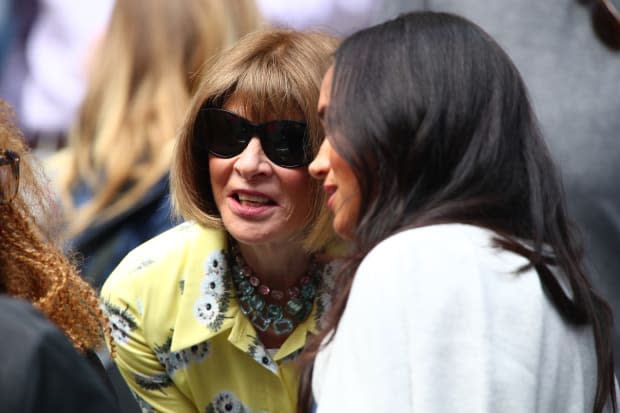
(245, 288)
(257, 302)
(294, 306)
(260, 322)
(274, 312)
(238, 276)
(279, 318)
(308, 291)
(246, 307)
(282, 326)
(303, 313)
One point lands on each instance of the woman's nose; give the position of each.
(319, 167)
(252, 161)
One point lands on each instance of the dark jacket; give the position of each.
(105, 243)
(41, 371)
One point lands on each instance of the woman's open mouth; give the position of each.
(252, 200)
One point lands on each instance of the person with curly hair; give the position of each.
(37, 356)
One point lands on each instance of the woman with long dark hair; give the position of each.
(466, 289)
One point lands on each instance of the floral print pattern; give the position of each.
(215, 290)
(142, 265)
(121, 322)
(207, 310)
(142, 404)
(257, 351)
(176, 360)
(156, 382)
(226, 402)
(213, 284)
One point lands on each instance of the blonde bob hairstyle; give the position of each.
(273, 73)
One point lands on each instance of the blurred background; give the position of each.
(46, 46)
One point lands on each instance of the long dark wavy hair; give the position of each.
(435, 121)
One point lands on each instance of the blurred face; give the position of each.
(339, 181)
(259, 201)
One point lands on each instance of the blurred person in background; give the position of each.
(16, 19)
(44, 73)
(113, 177)
(338, 17)
(49, 315)
(568, 52)
(210, 315)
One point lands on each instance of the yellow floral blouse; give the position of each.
(181, 341)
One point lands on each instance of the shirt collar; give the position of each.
(208, 306)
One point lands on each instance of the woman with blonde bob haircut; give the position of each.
(210, 315)
(115, 172)
(248, 75)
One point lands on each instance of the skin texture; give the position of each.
(277, 200)
(339, 181)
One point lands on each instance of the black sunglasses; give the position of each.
(226, 134)
(606, 21)
(9, 175)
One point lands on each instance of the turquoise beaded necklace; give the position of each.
(252, 294)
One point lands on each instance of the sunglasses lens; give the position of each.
(223, 134)
(285, 143)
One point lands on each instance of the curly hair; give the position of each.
(32, 265)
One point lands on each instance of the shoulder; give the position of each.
(431, 248)
(455, 272)
(449, 263)
(170, 251)
(41, 364)
(158, 281)
(27, 331)
(445, 236)
(171, 247)
(29, 340)
(24, 329)
(20, 321)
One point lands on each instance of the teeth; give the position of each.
(253, 198)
